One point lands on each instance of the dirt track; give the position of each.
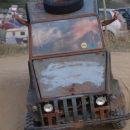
(14, 80)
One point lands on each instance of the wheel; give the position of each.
(119, 125)
(29, 121)
(63, 7)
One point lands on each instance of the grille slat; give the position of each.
(66, 110)
(84, 109)
(56, 109)
(43, 124)
(74, 105)
(92, 106)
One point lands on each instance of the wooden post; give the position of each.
(105, 16)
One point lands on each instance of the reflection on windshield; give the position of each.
(66, 35)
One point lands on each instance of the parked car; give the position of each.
(116, 29)
(1, 23)
(126, 9)
(125, 12)
(9, 26)
(14, 8)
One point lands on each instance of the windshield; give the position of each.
(66, 35)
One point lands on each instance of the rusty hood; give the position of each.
(70, 75)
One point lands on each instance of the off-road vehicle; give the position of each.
(71, 83)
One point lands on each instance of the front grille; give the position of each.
(71, 110)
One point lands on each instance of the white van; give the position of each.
(116, 29)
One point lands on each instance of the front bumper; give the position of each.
(81, 124)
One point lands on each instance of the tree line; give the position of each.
(5, 4)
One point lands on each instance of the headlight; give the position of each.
(48, 108)
(100, 101)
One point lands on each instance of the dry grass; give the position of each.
(12, 49)
(119, 45)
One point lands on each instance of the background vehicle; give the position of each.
(14, 9)
(116, 29)
(1, 23)
(9, 26)
(126, 9)
(71, 83)
(125, 12)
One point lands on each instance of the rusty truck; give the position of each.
(71, 82)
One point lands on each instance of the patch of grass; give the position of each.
(11, 49)
(119, 46)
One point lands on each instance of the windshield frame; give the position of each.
(52, 55)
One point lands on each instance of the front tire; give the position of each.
(29, 121)
(119, 125)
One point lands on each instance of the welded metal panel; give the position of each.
(71, 75)
(36, 10)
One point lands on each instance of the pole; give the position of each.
(105, 16)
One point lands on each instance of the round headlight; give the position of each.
(48, 108)
(100, 101)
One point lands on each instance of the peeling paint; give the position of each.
(66, 73)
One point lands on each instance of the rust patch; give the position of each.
(78, 125)
(101, 110)
(72, 88)
(49, 116)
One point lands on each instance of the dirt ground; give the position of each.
(14, 80)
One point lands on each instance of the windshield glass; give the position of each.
(66, 35)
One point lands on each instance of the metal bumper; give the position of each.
(81, 124)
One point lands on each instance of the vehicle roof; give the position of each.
(39, 14)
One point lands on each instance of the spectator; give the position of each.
(104, 23)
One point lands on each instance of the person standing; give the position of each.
(26, 23)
